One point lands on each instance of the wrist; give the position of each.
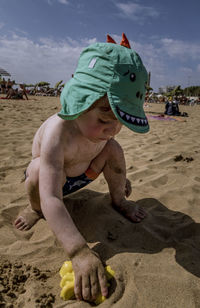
(78, 251)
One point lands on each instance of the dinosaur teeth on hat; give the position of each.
(132, 119)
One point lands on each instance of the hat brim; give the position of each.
(137, 121)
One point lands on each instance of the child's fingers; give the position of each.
(86, 288)
(19, 224)
(27, 227)
(23, 227)
(18, 220)
(103, 281)
(78, 288)
(138, 215)
(94, 285)
(141, 212)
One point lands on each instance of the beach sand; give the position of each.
(156, 262)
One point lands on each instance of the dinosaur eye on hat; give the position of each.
(132, 77)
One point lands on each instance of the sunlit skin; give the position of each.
(67, 148)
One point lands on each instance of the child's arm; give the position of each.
(89, 271)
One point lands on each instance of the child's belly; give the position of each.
(77, 169)
(81, 160)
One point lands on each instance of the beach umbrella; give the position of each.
(3, 72)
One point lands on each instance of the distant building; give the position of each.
(4, 72)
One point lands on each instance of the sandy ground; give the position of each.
(156, 262)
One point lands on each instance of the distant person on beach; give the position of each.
(22, 91)
(73, 147)
(17, 93)
(10, 93)
(3, 86)
(9, 85)
(171, 107)
(175, 104)
(168, 107)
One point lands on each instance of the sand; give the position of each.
(157, 262)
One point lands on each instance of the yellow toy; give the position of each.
(67, 282)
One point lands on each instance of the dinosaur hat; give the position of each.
(115, 70)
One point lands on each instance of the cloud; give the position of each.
(2, 24)
(66, 2)
(47, 60)
(186, 70)
(136, 11)
(181, 49)
(51, 2)
(50, 60)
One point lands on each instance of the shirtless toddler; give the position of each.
(73, 147)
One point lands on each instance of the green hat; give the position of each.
(115, 70)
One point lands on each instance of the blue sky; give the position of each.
(42, 39)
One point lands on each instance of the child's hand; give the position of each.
(90, 277)
(131, 210)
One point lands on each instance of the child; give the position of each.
(73, 147)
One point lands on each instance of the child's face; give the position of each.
(99, 124)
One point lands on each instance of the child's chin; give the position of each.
(96, 139)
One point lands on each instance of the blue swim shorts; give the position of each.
(75, 183)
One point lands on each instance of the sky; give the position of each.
(41, 40)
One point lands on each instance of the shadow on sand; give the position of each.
(112, 233)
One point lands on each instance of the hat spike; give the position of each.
(124, 41)
(110, 39)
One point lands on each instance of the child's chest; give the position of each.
(84, 152)
(78, 159)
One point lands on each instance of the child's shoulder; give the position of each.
(54, 128)
(54, 122)
(53, 134)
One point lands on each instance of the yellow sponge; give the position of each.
(67, 282)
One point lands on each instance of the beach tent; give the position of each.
(3, 72)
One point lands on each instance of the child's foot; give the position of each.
(26, 219)
(131, 211)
